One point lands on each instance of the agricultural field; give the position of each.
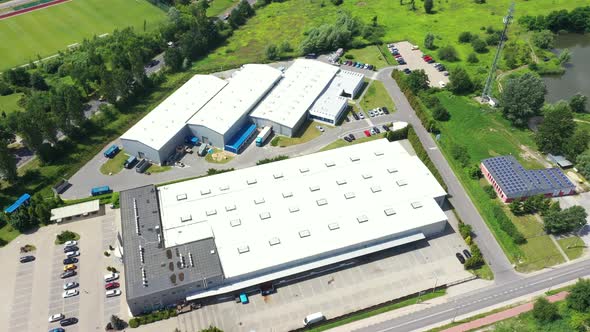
(485, 133)
(400, 23)
(46, 31)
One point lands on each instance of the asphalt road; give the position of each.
(482, 299)
(502, 268)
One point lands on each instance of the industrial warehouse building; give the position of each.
(512, 181)
(234, 231)
(226, 113)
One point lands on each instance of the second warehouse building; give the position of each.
(225, 113)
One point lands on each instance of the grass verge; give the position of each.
(369, 55)
(377, 96)
(389, 307)
(484, 272)
(572, 246)
(307, 132)
(158, 169)
(114, 165)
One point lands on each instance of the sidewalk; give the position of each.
(509, 313)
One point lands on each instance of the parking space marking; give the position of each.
(22, 296)
(69, 307)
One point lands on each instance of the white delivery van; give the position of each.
(313, 318)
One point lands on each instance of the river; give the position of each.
(577, 75)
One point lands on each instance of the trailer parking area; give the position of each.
(414, 61)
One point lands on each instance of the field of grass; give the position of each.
(307, 132)
(377, 96)
(575, 244)
(399, 22)
(389, 307)
(114, 165)
(340, 142)
(9, 104)
(45, 32)
(485, 134)
(218, 7)
(369, 54)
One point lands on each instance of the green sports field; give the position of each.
(46, 31)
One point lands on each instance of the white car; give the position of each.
(111, 277)
(72, 253)
(113, 293)
(70, 285)
(70, 293)
(56, 317)
(380, 111)
(442, 84)
(71, 243)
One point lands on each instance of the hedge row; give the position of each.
(427, 121)
(152, 317)
(507, 225)
(423, 155)
(271, 160)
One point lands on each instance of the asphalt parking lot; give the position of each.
(69, 307)
(23, 291)
(414, 61)
(334, 290)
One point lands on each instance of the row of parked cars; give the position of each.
(439, 66)
(359, 65)
(378, 111)
(396, 54)
(71, 252)
(461, 258)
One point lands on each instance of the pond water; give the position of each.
(577, 75)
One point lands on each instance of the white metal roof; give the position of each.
(168, 118)
(346, 81)
(292, 210)
(244, 91)
(74, 210)
(304, 81)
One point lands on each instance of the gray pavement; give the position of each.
(414, 62)
(21, 304)
(69, 307)
(582, 199)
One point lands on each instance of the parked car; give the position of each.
(111, 277)
(380, 111)
(372, 131)
(113, 293)
(402, 62)
(346, 138)
(446, 73)
(69, 267)
(70, 243)
(111, 285)
(56, 317)
(72, 254)
(68, 321)
(70, 260)
(376, 130)
(351, 137)
(467, 253)
(71, 285)
(361, 115)
(68, 274)
(320, 128)
(385, 110)
(442, 84)
(397, 56)
(70, 293)
(72, 248)
(57, 329)
(371, 114)
(460, 258)
(371, 67)
(26, 259)
(367, 133)
(385, 127)
(356, 117)
(407, 71)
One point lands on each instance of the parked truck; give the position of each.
(112, 151)
(130, 162)
(263, 135)
(96, 191)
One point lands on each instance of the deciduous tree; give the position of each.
(460, 82)
(545, 311)
(578, 103)
(522, 97)
(428, 6)
(557, 127)
(566, 220)
(579, 296)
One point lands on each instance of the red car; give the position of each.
(398, 55)
(367, 133)
(111, 285)
(427, 58)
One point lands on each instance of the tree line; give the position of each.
(577, 20)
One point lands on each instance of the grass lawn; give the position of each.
(576, 246)
(9, 103)
(539, 251)
(218, 7)
(7, 233)
(218, 157)
(154, 168)
(369, 54)
(400, 23)
(484, 272)
(307, 132)
(340, 142)
(485, 134)
(377, 96)
(114, 165)
(386, 308)
(47, 31)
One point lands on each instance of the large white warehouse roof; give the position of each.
(244, 91)
(168, 118)
(304, 81)
(293, 210)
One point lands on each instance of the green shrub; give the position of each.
(423, 156)
(427, 121)
(275, 141)
(271, 160)
(507, 225)
(396, 135)
(460, 154)
(465, 229)
(474, 172)
(133, 323)
(489, 190)
(65, 236)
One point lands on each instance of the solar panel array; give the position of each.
(516, 181)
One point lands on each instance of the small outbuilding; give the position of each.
(76, 211)
(560, 161)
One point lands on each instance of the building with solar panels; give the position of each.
(512, 181)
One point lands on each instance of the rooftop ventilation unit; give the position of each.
(341, 182)
(401, 183)
(304, 233)
(277, 175)
(392, 170)
(205, 192)
(362, 219)
(375, 189)
(354, 158)
(367, 176)
(235, 222)
(293, 209)
(389, 212)
(330, 164)
(322, 202)
(141, 254)
(243, 249)
(186, 218)
(136, 216)
(230, 207)
(211, 212)
(259, 200)
(264, 215)
(314, 188)
(274, 241)
(224, 187)
(349, 195)
(287, 194)
(251, 181)
(417, 205)
(181, 197)
(333, 226)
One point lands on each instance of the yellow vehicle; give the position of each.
(69, 267)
